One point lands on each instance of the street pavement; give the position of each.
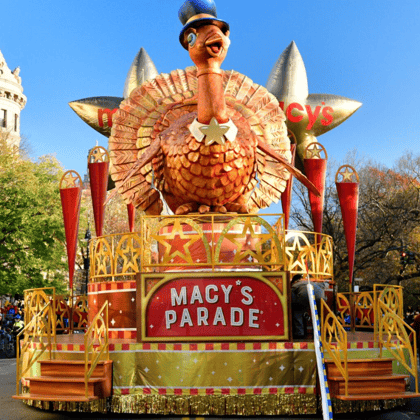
(11, 409)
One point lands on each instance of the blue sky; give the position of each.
(364, 50)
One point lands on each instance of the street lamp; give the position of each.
(86, 260)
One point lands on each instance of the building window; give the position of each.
(16, 122)
(3, 118)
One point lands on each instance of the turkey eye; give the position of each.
(192, 37)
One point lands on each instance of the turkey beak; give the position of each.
(215, 45)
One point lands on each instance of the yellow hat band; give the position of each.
(199, 16)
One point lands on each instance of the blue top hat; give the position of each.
(197, 12)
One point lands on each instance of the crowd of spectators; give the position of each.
(10, 308)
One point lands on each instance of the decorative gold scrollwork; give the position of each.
(210, 242)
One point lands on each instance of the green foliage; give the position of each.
(32, 240)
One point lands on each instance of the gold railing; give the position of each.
(394, 336)
(362, 306)
(392, 297)
(96, 343)
(359, 306)
(70, 313)
(35, 300)
(38, 329)
(211, 243)
(309, 250)
(334, 341)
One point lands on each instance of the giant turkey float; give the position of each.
(191, 314)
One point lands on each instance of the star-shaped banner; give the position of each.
(308, 115)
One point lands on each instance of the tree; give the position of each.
(389, 217)
(32, 240)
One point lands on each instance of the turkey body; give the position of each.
(237, 175)
(213, 175)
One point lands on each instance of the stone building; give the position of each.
(12, 101)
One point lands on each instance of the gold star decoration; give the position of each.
(130, 256)
(98, 154)
(298, 252)
(346, 173)
(308, 115)
(70, 179)
(214, 132)
(313, 151)
(173, 247)
(249, 243)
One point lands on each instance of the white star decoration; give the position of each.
(301, 369)
(214, 132)
(238, 282)
(282, 368)
(146, 369)
(113, 321)
(229, 379)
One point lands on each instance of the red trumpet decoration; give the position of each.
(98, 165)
(347, 183)
(71, 195)
(286, 197)
(131, 216)
(315, 170)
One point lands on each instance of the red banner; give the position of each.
(216, 307)
(286, 197)
(70, 202)
(348, 194)
(315, 170)
(131, 216)
(98, 174)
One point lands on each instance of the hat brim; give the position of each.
(199, 22)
